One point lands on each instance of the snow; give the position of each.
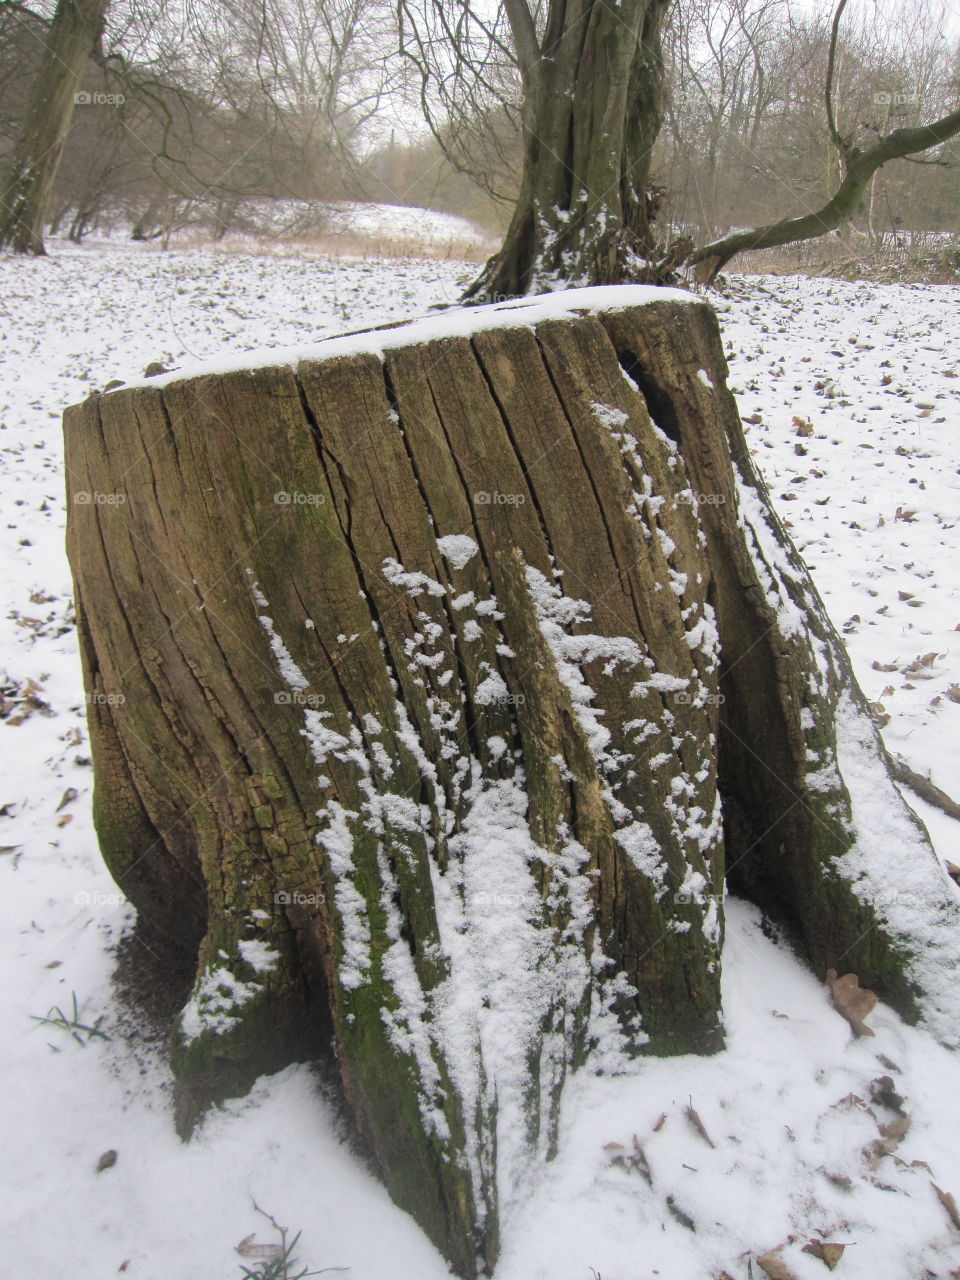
(455, 322)
(211, 1006)
(458, 549)
(873, 502)
(259, 955)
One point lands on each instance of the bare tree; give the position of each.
(857, 163)
(589, 84)
(69, 43)
(590, 87)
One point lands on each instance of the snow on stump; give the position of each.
(440, 679)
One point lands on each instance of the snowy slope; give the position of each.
(344, 226)
(873, 371)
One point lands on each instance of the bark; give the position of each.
(593, 106)
(448, 803)
(71, 39)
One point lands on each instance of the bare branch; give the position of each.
(842, 144)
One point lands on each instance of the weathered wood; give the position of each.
(456, 810)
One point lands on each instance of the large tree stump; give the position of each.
(437, 681)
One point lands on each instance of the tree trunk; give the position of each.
(435, 684)
(71, 39)
(593, 106)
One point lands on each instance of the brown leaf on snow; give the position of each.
(772, 1265)
(640, 1161)
(828, 1253)
(700, 1127)
(896, 1129)
(949, 1203)
(661, 1121)
(852, 1001)
(248, 1248)
(69, 795)
(892, 1135)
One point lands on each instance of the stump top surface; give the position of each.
(455, 322)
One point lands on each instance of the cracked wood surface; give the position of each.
(291, 735)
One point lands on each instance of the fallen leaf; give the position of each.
(896, 1129)
(828, 1253)
(852, 1001)
(949, 1203)
(640, 1161)
(774, 1266)
(107, 1161)
(892, 1134)
(70, 794)
(698, 1124)
(248, 1248)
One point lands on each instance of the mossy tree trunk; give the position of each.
(593, 85)
(435, 685)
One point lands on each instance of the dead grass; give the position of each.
(846, 259)
(352, 244)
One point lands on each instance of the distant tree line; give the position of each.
(187, 114)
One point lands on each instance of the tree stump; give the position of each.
(438, 682)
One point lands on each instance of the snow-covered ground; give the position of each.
(852, 395)
(343, 227)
